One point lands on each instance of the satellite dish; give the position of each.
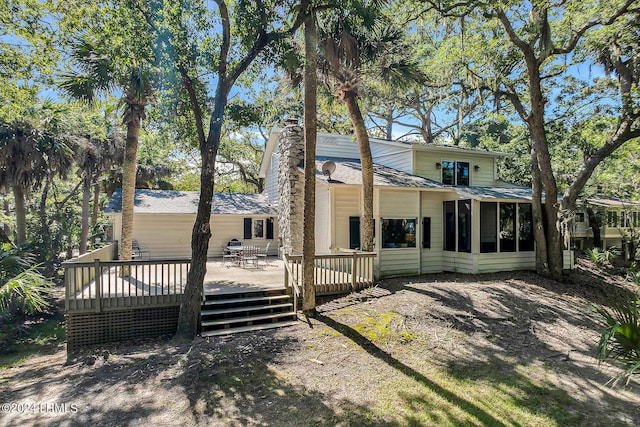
(328, 168)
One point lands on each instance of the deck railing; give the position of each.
(112, 285)
(335, 273)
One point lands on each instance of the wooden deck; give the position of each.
(114, 285)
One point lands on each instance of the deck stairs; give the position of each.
(251, 310)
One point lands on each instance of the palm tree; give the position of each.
(310, 133)
(33, 150)
(100, 74)
(352, 47)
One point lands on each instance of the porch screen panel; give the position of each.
(247, 228)
(449, 226)
(507, 227)
(488, 227)
(525, 229)
(464, 225)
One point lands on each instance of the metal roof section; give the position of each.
(186, 202)
(349, 172)
(610, 202)
(495, 193)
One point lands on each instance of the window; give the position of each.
(448, 176)
(612, 219)
(426, 232)
(579, 217)
(455, 173)
(258, 228)
(398, 233)
(488, 227)
(462, 173)
(354, 232)
(525, 230)
(449, 226)
(464, 225)
(255, 228)
(507, 227)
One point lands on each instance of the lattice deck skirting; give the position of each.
(86, 329)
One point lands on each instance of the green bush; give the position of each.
(22, 287)
(603, 256)
(620, 340)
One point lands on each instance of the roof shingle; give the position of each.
(186, 202)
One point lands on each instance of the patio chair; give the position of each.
(265, 254)
(137, 253)
(250, 254)
(228, 256)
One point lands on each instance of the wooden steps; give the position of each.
(223, 314)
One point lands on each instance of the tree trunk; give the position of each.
(366, 161)
(84, 229)
(96, 204)
(4, 237)
(42, 210)
(21, 215)
(542, 266)
(188, 319)
(542, 160)
(310, 133)
(7, 211)
(129, 187)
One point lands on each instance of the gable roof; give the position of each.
(349, 171)
(186, 202)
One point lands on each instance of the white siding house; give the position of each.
(436, 208)
(163, 221)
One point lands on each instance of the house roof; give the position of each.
(610, 202)
(186, 202)
(492, 193)
(349, 171)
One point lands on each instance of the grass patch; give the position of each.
(386, 327)
(39, 338)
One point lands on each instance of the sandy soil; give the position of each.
(334, 370)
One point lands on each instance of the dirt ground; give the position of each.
(344, 366)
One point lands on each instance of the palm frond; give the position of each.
(620, 339)
(26, 291)
(97, 71)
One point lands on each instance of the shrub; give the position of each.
(603, 256)
(620, 340)
(22, 287)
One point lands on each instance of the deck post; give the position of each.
(354, 271)
(286, 273)
(67, 288)
(98, 282)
